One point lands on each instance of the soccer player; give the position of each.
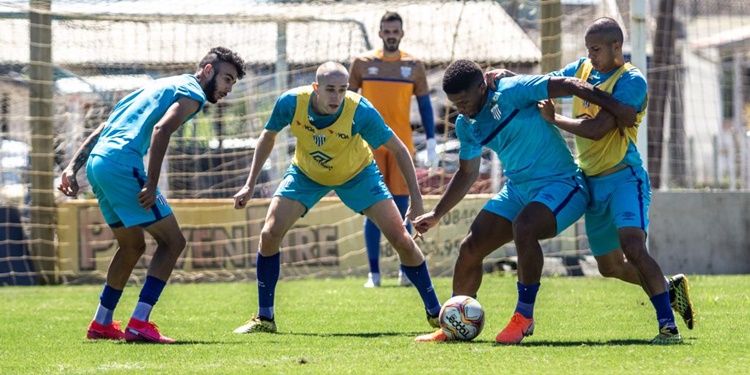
(333, 127)
(128, 197)
(388, 78)
(617, 217)
(545, 192)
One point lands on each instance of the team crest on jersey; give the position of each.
(319, 139)
(495, 110)
(372, 70)
(406, 71)
(496, 96)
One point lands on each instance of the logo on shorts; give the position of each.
(322, 159)
(160, 198)
(628, 216)
(319, 139)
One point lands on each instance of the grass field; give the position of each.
(334, 326)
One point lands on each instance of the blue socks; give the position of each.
(372, 233)
(107, 303)
(664, 313)
(526, 299)
(150, 293)
(268, 269)
(420, 277)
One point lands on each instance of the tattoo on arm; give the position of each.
(80, 158)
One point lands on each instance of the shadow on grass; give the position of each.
(364, 335)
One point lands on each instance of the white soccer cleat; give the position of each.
(373, 280)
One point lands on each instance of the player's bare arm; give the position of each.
(625, 115)
(68, 181)
(175, 116)
(406, 165)
(591, 128)
(262, 152)
(458, 187)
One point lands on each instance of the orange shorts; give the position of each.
(389, 169)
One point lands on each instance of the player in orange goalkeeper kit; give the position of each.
(334, 128)
(388, 78)
(142, 123)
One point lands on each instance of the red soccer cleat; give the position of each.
(108, 332)
(138, 330)
(518, 328)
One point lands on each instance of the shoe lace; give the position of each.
(518, 320)
(117, 325)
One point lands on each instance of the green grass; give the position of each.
(334, 326)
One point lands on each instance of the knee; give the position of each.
(270, 239)
(524, 230)
(469, 253)
(635, 251)
(403, 242)
(610, 270)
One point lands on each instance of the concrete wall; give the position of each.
(701, 232)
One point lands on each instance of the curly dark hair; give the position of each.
(461, 75)
(223, 54)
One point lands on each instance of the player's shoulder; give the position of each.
(366, 56)
(408, 57)
(633, 76)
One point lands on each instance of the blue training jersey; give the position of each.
(367, 121)
(127, 135)
(631, 89)
(510, 124)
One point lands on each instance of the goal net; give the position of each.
(101, 50)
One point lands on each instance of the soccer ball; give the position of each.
(462, 318)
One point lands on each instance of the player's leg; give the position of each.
(170, 242)
(629, 203)
(380, 208)
(131, 246)
(553, 206)
(371, 230)
(402, 203)
(487, 233)
(293, 198)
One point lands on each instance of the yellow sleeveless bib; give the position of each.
(329, 156)
(595, 157)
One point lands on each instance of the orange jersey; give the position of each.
(388, 83)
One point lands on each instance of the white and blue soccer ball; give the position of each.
(462, 318)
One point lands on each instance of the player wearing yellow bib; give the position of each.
(335, 129)
(617, 216)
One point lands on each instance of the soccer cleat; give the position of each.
(437, 336)
(139, 330)
(518, 328)
(667, 336)
(403, 280)
(434, 320)
(373, 280)
(108, 332)
(257, 324)
(679, 298)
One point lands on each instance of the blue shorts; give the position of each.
(116, 187)
(359, 193)
(567, 198)
(618, 200)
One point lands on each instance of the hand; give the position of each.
(432, 157)
(547, 110)
(68, 183)
(493, 75)
(147, 197)
(625, 118)
(242, 197)
(424, 222)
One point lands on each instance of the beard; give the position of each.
(210, 89)
(391, 46)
